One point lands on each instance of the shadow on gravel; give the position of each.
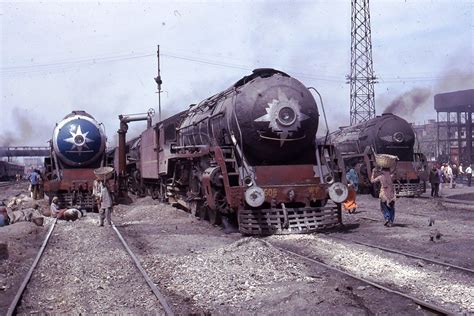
(344, 228)
(399, 225)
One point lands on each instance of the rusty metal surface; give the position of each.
(292, 174)
(149, 154)
(288, 221)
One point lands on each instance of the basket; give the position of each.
(104, 172)
(386, 161)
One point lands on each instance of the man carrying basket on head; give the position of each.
(387, 190)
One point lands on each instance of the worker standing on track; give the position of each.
(106, 205)
(387, 194)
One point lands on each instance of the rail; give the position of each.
(19, 293)
(406, 254)
(424, 304)
(148, 280)
(14, 304)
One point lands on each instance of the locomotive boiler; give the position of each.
(386, 134)
(76, 149)
(249, 154)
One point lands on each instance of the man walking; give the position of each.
(387, 194)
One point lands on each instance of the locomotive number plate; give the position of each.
(271, 193)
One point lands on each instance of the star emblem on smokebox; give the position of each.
(78, 139)
(284, 116)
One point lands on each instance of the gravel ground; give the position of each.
(85, 270)
(412, 232)
(204, 271)
(23, 241)
(453, 289)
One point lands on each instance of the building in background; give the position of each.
(454, 125)
(449, 137)
(426, 139)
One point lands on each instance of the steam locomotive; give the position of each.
(386, 134)
(247, 154)
(76, 149)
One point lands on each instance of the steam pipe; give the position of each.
(324, 112)
(122, 133)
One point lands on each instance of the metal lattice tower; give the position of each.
(362, 77)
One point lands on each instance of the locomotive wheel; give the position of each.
(214, 217)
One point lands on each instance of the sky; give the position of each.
(100, 56)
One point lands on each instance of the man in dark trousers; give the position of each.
(434, 181)
(469, 175)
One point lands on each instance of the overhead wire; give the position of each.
(77, 63)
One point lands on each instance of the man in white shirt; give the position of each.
(106, 205)
(469, 175)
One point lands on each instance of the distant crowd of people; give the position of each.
(449, 175)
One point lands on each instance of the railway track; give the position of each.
(383, 285)
(426, 305)
(6, 184)
(22, 291)
(406, 254)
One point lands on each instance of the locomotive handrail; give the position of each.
(279, 139)
(203, 119)
(324, 113)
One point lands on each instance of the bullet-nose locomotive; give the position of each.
(76, 149)
(247, 153)
(386, 134)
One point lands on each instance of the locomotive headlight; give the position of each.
(286, 116)
(398, 137)
(338, 192)
(254, 196)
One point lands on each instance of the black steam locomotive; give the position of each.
(386, 134)
(247, 153)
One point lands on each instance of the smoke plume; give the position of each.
(409, 102)
(25, 131)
